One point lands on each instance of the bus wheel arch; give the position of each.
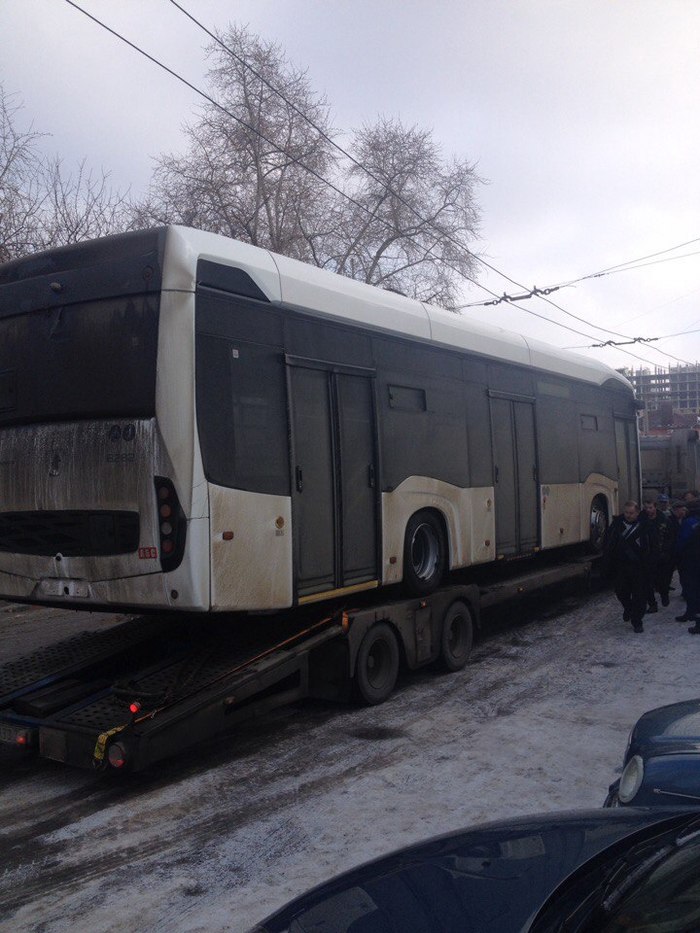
(599, 518)
(425, 552)
(377, 664)
(457, 636)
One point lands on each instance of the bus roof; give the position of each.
(301, 286)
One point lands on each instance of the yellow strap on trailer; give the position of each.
(101, 745)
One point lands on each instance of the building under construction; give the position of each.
(675, 390)
(669, 427)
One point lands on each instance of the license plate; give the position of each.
(73, 589)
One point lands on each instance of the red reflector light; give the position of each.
(172, 524)
(135, 707)
(116, 755)
(22, 738)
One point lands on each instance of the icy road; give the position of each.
(221, 837)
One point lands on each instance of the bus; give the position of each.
(188, 422)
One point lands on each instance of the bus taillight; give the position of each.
(172, 525)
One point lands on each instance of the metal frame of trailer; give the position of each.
(152, 687)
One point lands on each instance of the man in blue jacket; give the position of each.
(688, 563)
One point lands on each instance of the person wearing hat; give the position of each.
(663, 504)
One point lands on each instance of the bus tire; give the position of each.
(598, 525)
(424, 553)
(457, 637)
(377, 665)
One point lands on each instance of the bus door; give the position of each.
(627, 446)
(334, 489)
(515, 473)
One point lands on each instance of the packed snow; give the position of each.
(221, 837)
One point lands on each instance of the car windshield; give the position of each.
(667, 898)
(653, 887)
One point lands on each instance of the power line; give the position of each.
(362, 207)
(629, 266)
(640, 259)
(344, 152)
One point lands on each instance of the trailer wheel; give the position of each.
(599, 525)
(377, 665)
(457, 637)
(424, 554)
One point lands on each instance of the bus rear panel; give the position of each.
(90, 512)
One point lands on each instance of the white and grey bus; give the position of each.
(190, 422)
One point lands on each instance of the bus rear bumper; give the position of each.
(145, 592)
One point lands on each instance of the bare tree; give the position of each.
(412, 216)
(41, 203)
(21, 196)
(255, 167)
(253, 162)
(79, 205)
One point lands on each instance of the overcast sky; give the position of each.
(583, 117)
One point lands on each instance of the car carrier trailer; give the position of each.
(151, 687)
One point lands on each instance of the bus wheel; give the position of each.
(424, 555)
(377, 665)
(457, 637)
(599, 524)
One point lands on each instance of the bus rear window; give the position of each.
(92, 359)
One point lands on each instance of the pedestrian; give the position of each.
(662, 555)
(691, 495)
(663, 504)
(626, 561)
(678, 513)
(688, 561)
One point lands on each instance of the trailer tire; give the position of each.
(424, 553)
(377, 665)
(457, 637)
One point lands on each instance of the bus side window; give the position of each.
(242, 415)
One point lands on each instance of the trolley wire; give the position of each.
(629, 266)
(352, 200)
(496, 300)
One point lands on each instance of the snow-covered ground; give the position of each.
(220, 838)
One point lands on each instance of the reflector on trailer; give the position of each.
(19, 736)
(116, 755)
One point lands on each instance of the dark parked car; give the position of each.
(661, 766)
(601, 871)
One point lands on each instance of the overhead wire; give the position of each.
(344, 194)
(396, 194)
(361, 166)
(641, 259)
(629, 266)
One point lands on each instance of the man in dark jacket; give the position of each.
(662, 554)
(626, 561)
(688, 558)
